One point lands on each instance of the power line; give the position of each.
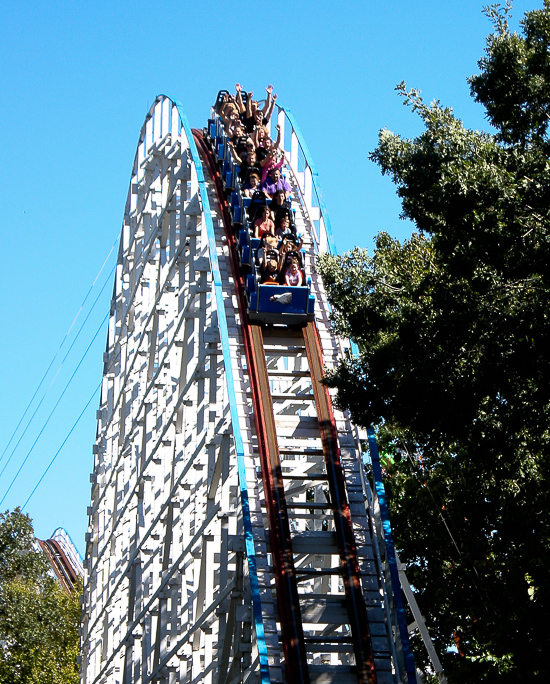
(56, 373)
(54, 408)
(61, 447)
(468, 565)
(55, 356)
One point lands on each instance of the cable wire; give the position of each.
(54, 408)
(468, 565)
(55, 356)
(62, 445)
(57, 372)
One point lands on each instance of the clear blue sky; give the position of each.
(76, 81)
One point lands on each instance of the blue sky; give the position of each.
(76, 81)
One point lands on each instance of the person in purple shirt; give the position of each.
(275, 182)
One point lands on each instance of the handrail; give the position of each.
(300, 160)
(391, 559)
(357, 613)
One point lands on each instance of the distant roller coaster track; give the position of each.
(233, 535)
(64, 559)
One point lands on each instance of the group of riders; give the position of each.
(260, 160)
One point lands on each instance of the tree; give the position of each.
(39, 640)
(453, 331)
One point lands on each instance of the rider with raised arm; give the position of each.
(266, 149)
(238, 139)
(253, 115)
(239, 99)
(269, 104)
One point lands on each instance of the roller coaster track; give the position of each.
(60, 564)
(233, 535)
(303, 342)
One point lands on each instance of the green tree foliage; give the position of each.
(453, 331)
(39, 640)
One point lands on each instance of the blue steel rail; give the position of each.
(391, 558)
(239, 448)
(301, 162)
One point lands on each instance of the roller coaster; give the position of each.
(233, 533)
(64, 559)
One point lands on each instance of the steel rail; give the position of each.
(288, 601)
(357, 612)
(59, 563)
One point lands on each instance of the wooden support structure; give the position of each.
(230, 538)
